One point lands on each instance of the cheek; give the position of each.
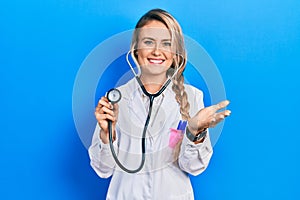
(142, 56)
(140, 61)
(169, 57)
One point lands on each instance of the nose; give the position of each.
(156, 50)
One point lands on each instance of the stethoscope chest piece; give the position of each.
(114, 95)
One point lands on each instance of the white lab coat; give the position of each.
(162, 177)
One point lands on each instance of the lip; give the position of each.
(156, 61)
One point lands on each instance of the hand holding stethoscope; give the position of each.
(105, 111)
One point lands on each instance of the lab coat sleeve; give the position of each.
(100, 155)
(194, 158)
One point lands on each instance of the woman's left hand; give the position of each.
(208, 117)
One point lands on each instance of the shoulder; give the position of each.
(195, 98)
(128, 88)
(193, 92)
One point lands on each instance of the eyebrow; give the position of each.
(149, 38)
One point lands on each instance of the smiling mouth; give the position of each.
(155, 61)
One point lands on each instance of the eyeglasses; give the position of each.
(150, 43)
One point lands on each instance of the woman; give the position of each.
(157, 48)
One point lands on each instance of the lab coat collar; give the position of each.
(133, 94)
(133, 89)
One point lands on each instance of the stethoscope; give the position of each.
(114, 96)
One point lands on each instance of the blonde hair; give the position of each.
(179, 60)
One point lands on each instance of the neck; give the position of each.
(153, 84)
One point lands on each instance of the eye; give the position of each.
(148, 42)
(166, 44)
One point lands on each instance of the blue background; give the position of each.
(255, 45)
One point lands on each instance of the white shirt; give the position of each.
(162, 177)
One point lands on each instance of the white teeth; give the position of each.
(156, 61)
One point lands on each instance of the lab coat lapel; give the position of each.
(135, 105)
(164, 114)
(137, 108)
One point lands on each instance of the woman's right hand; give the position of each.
(103, 112)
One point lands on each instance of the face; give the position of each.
(154, 53)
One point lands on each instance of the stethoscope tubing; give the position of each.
(151, 98)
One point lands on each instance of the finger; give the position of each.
(224, 113)
(103, 125)
(227, 113)
(115, 107)
(107, 111)
(103, 99)
(221, 105)
(218, 117)
(105, 116)
(213, 122)
(99, 110)
(104, 102)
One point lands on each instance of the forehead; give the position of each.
(155, 30)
